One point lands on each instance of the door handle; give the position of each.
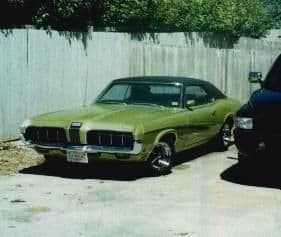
(214, 113)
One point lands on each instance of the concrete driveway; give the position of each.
(205, 195)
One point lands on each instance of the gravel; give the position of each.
(14, 156)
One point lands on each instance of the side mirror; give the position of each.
(255, 77)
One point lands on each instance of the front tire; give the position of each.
(161, 158)
(244, 159)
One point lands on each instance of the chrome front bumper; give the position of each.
(88, 148)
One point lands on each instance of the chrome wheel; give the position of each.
(227, 135)
(161, 158)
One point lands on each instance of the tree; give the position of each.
(236, 17)
(233, 17)
(59, 14)
(274, 8)
(65, 14)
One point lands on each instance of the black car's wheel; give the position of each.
(245, 160)
(225, 137)
(161, 158)
(256, 158)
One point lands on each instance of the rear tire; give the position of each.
(225, 137)
(161, 158)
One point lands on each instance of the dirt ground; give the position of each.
(14, 156)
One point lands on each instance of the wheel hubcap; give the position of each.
(161, 157)
(227, 135)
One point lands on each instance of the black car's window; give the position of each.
(138, 93)
(197, 95)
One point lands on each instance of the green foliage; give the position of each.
(274, 8)
(233, 17)
(16, 3)
(64, 14)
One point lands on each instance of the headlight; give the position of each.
(24, 126)
(245, 123)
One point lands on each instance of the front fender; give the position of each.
(164, 133)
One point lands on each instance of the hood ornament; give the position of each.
(76, 124)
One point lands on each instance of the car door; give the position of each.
(201, 115)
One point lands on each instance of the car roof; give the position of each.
(164, 79)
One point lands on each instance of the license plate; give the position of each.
(77, 157)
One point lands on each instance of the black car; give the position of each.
(259, 121)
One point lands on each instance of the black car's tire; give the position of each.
(244, 159)
(161, 158)
(224, 138)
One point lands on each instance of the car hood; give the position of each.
(266, 101)
(119, 117)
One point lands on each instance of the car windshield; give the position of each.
(273, 79)
(150, 94)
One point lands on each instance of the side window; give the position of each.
(213, 92)
(196, 95)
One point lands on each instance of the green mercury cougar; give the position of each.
(146, 119)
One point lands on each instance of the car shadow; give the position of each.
(265, 172)
(120, 171)
(192, 154)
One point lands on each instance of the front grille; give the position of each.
(110, 139)
(48, 135)
(74, 134)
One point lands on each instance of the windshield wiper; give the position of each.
(111, 102)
